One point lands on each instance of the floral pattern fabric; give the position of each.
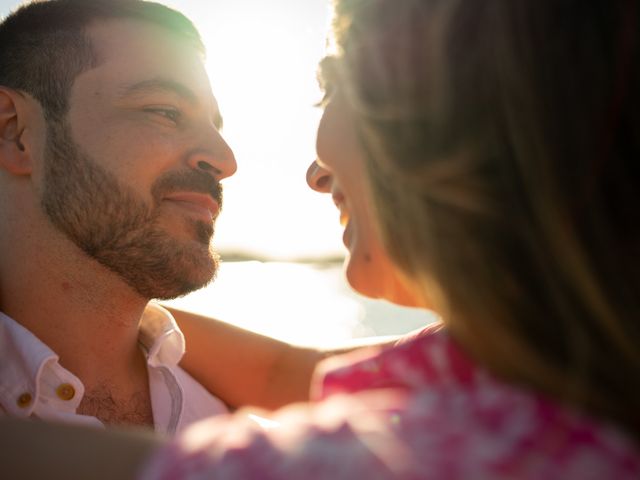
(419, 410)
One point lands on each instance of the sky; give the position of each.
(262, 59)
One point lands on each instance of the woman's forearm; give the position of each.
(245, 368)
(242, 367)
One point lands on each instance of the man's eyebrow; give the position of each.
(159, 85)
(165, 85)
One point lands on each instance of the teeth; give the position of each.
(344, 218)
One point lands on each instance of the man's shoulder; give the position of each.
(32, 381)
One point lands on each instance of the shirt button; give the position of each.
(24, 400)
(65, 391)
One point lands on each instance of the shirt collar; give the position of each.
(25, 360)
(22, 359)
(160, 338)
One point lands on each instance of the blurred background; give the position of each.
(280, 242)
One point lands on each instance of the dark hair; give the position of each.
(43, 46)
(503, 143)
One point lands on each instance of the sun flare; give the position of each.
(262, 59)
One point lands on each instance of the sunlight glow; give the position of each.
(262, 60)
(299, 303)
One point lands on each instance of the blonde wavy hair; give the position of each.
(503, 148)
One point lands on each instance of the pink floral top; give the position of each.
(420, 410)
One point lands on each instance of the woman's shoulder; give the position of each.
(480, 423)
(425, 358)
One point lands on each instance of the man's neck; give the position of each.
(84, 312)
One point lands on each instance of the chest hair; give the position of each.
(112, 410)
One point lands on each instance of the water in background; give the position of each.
(303, 303)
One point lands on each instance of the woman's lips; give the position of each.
(200, 204)
(344, 221)
(339, 201)
(347, 234)
(338, 198)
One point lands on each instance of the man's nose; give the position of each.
(215, 157)
(318, 178)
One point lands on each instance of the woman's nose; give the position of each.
(318, 178)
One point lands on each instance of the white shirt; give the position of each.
(33, 383)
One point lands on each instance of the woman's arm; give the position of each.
(245, 368)
(242, 367)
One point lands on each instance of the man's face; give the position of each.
(131, 175)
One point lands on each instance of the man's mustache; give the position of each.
(187, 181)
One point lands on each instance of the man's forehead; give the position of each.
(128, 31)
(128, 44)
(137, 56)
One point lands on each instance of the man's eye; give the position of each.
(171, 114)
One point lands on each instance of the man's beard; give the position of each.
(113, 225)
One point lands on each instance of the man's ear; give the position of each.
(14, 155)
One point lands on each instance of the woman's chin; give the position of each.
(355, 277)
(363, 277)
(377, 281)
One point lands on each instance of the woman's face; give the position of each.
(339, 170)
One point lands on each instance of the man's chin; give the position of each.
(204, 232)
(179, 278)
(181, 287)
